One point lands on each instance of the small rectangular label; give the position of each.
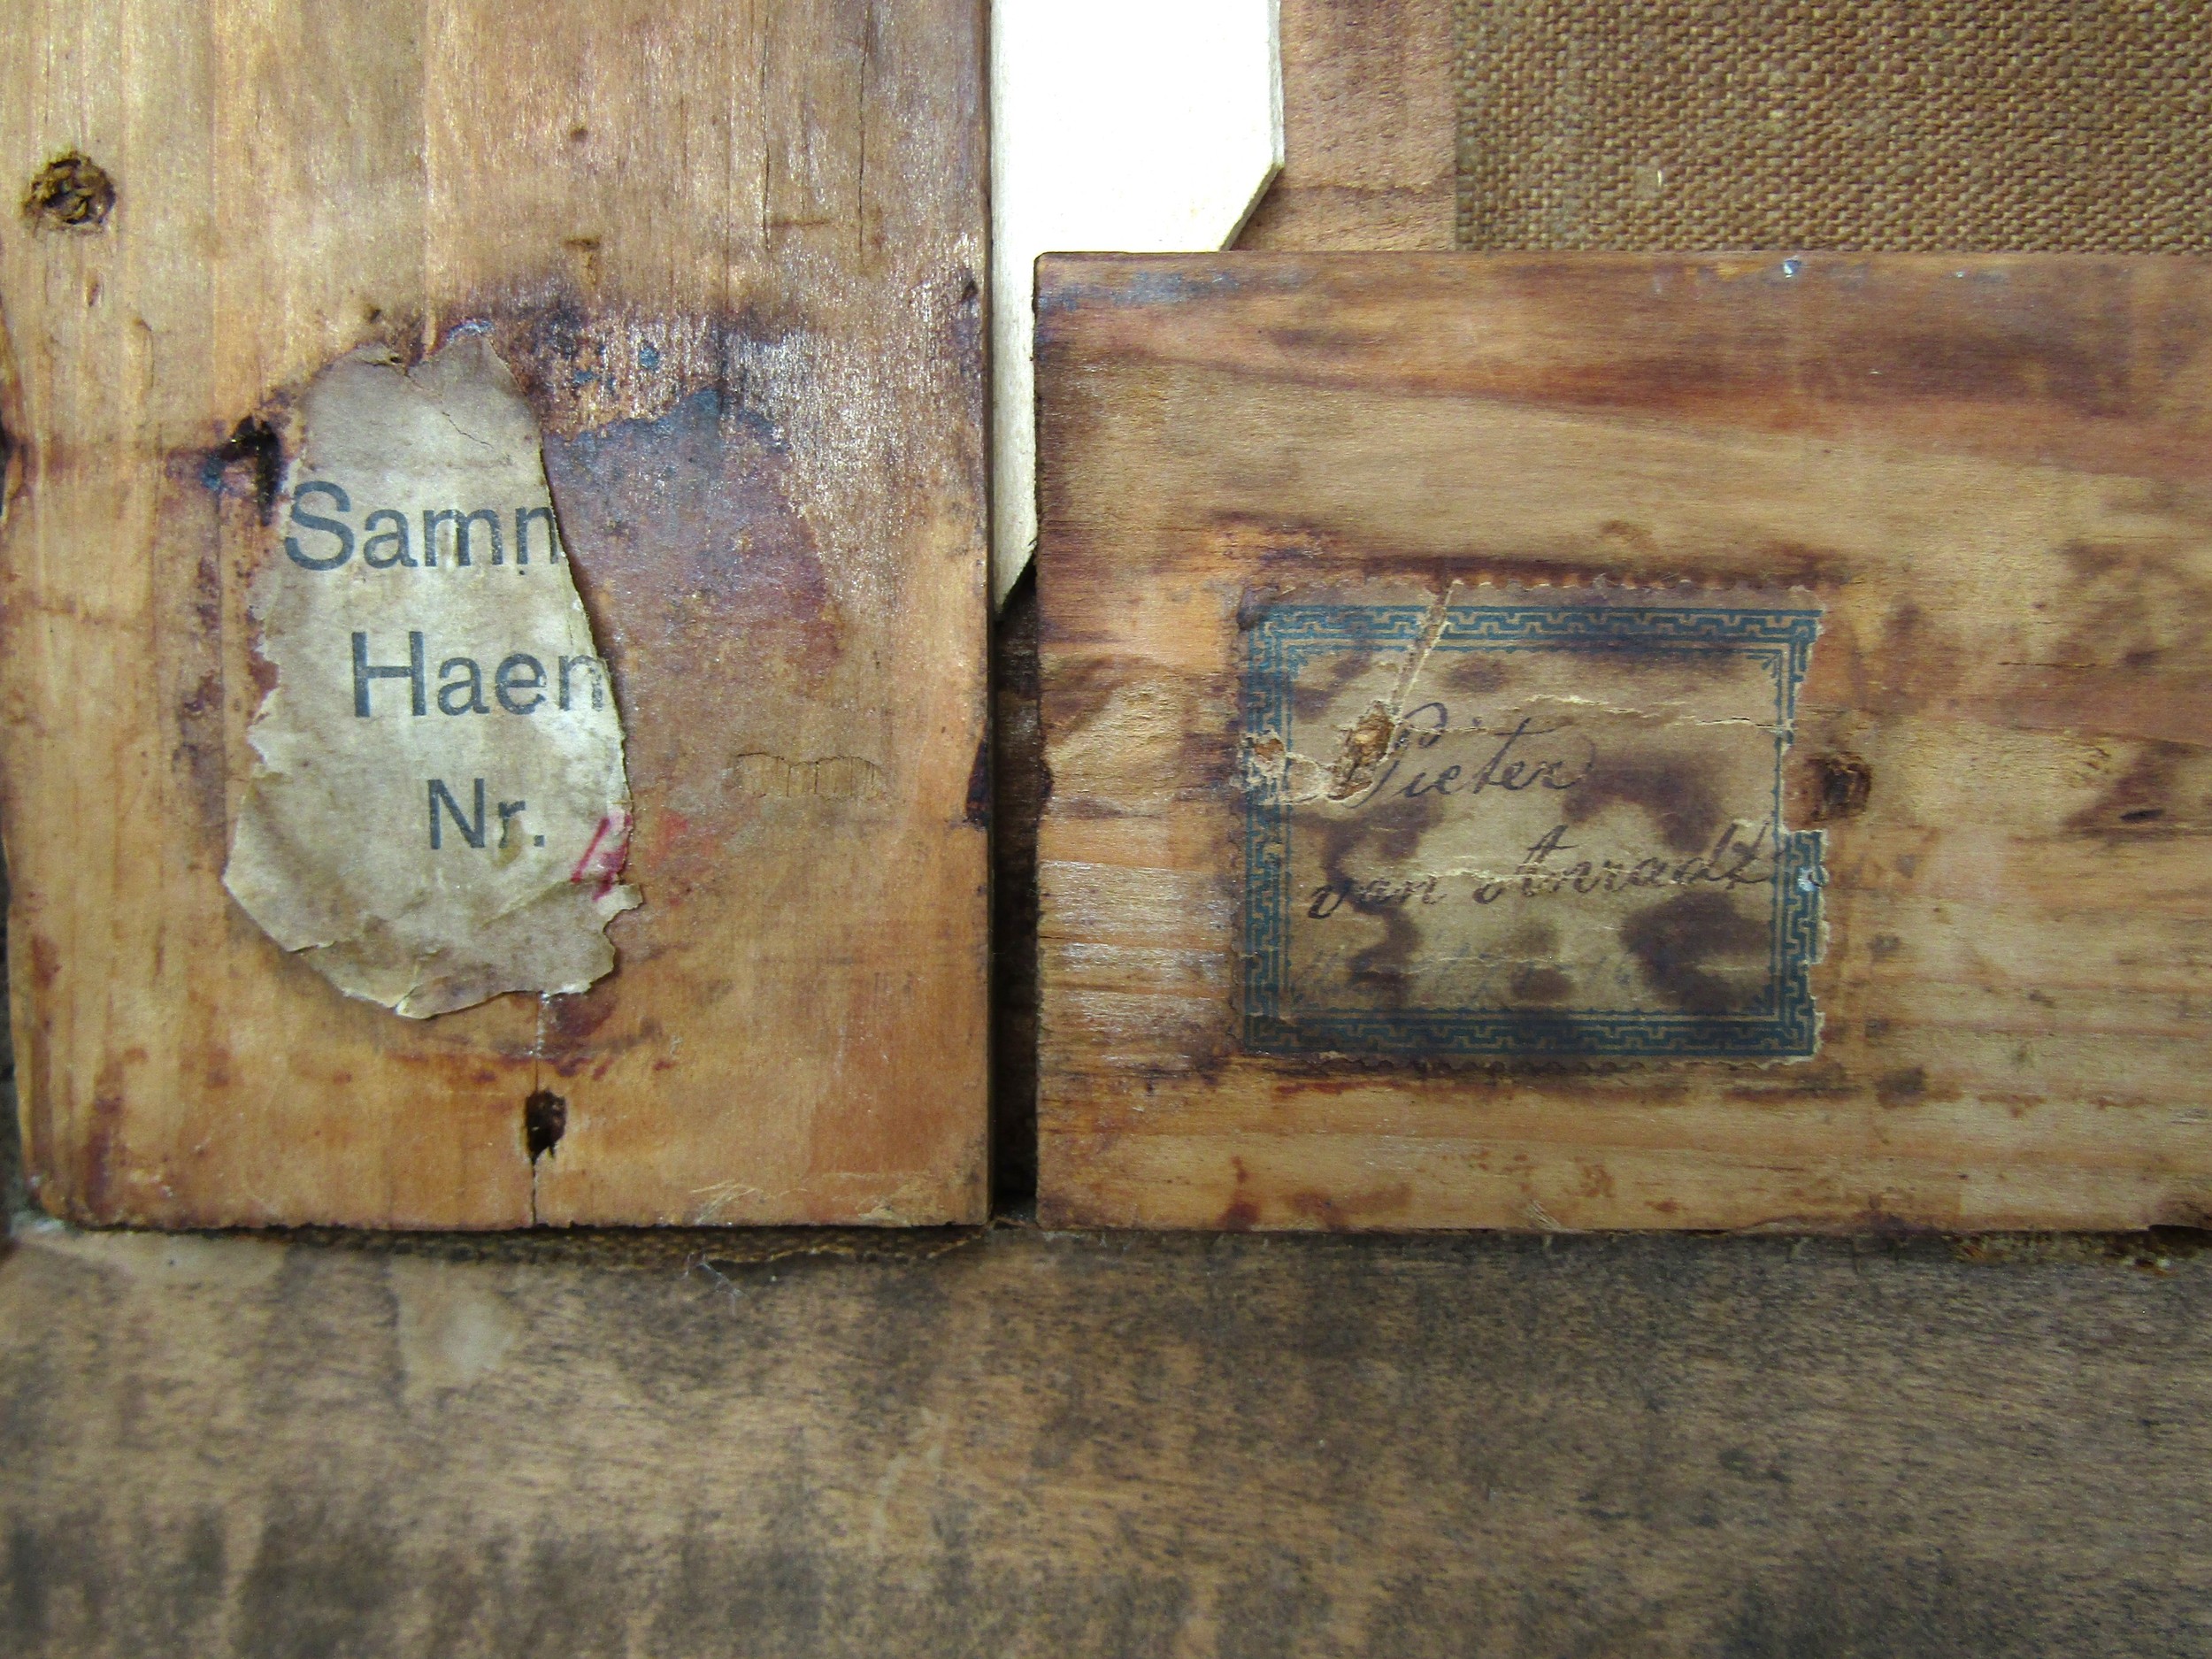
(1548, 824)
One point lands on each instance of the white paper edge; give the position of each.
(1145, 127)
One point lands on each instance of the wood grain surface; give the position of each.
(1021, 1444)
(734, 256)
(1990, 478)
(597, 1444)
(1369, 126)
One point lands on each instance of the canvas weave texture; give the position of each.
(1958, 125)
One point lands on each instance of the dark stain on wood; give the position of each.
(2142, 604)
(1677, 794)
(1680, 942)
(1829, 788)
(1339, 1212)
(571, 1038)
(569, 1026)
(2146, 800)
(1242, 1213)
(201, 755)
(1075, 694)
(1473, 673)
(1223, 1445)
(685, 524)
(1389, 827)
(1906, 1087)
(1538, 985)
(1536, 982)
(1314, 695)
(1709, 339)
(103, 1149)
(573, 355)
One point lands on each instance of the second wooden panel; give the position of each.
(1619, 741)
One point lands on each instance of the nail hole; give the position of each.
(1842, 785)
(544, 1121)
(71, 192)
(252, 443)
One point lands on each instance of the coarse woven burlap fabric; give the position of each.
(2027, 125)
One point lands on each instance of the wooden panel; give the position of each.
(734, 258)
(1367, 164)
(1988, 478)
(1368, 129)
(1018, 1444)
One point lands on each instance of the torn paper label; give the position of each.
(440, 813)
(1543, 823)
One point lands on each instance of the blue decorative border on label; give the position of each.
(1781, 1023)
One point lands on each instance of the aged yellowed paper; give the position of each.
(441, 812)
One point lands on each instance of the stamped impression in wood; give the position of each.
(1527, 822)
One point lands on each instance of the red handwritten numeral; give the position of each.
(607, 852)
